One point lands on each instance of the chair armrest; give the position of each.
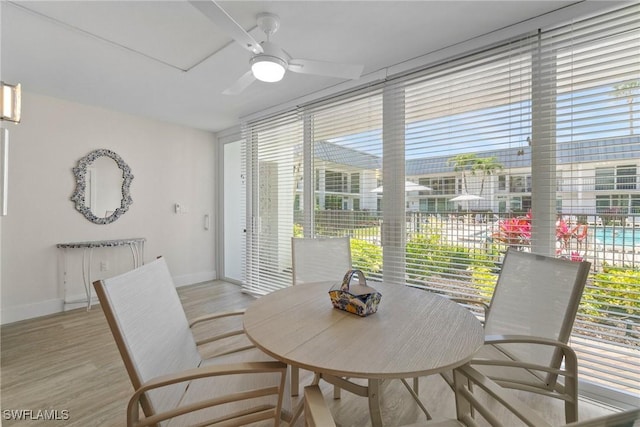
(133, 416)
(525, 339)
(228, 334)
(467, 378)
(214, 316)
(470, 301)
(566, 353)
(570, 358)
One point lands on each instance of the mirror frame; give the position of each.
(80, 173)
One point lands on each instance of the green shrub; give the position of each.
(428, 255)
(484, 270)
(615, 289)
(366, 256)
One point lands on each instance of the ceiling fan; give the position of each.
(269, 62)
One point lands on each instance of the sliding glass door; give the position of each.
(274, 188)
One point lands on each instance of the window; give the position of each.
(622, 177)
(626, 177)
(635, 204)
(502, 183)
(596, 135)
(439, 185)
(335, 182)
(605, 178)
(520, 184)
(355, 183)
(347, 136)
(617, 204)
(538, 126)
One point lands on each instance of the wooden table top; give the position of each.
(414, 332)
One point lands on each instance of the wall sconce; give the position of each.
(11, 107)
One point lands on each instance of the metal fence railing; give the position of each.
(604, 240)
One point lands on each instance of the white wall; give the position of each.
(171, 164)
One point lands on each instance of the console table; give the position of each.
(137, 252)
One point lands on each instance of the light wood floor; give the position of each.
(69, 361)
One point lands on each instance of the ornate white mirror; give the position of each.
(102, 186)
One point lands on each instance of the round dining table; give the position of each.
(414, 333)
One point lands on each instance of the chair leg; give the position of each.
(416, 385)
(295, 381)
(336, 392)
(570, 411)
(416, 397)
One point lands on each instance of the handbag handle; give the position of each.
(347, 279)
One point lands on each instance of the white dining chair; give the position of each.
(527, 327)
(479, 401)
(173, 383)
(320, 259)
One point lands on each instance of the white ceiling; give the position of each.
(165, 60)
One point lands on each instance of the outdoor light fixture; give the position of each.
(10, 102)
(270, 65)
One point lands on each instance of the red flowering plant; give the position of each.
(563, 233)
(516, 232)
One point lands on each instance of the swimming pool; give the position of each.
(618, 236)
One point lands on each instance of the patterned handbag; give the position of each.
(358, 299)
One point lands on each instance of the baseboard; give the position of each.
(45, 308)
(29, 311)
(191, 279)
(79, 301)
(608, 396)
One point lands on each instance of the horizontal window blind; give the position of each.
(274, 187)
(532, 144)
(467, 124)
(346, 138)
(591, 74)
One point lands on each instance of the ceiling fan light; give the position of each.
(268, 68)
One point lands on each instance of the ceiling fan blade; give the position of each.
(221, 19)
(330, 69)
(241, 84)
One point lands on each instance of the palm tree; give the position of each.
(628, 90)
(474, 164)
(488, 166)
(461, 163)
